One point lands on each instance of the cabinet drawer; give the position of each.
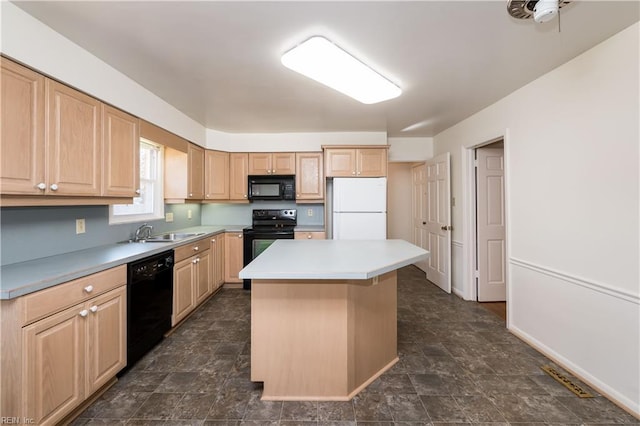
(46, 302)
(188, 250)
(310, 235)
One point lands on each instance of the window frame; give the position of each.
(158, 205)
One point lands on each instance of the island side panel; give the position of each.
(373, 329)
(299, 339)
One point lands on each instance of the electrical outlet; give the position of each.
(309, 212)
(80, 226)
(189, 215)
(168, 217)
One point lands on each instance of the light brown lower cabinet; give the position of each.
(191, 278)
(233, 261)
(217, 261)
(52, 364)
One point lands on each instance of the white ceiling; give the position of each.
(219, 62)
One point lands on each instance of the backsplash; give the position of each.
(28, 233)
(240, 214)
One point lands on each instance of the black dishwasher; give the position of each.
(149, 303)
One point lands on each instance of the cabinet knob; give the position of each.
(353, 173)
(41, 186)
(309, 236)
(84, 313)
(194, 261)
(138, 191)
(196, 248)
(94, 309)
(191, 194)
(358, 173)
(207, 195)
(273, 171)
(88, 288)
(239, 235)
(245, 195)
(54, 187)
(213, 240)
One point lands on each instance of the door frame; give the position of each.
(469, 231)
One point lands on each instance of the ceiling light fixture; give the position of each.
(323, 61)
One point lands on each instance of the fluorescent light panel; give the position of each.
(323, 61)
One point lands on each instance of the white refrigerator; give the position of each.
(359, 209)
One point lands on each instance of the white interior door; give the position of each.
(439, 220)
(492, 286)
(419, 211)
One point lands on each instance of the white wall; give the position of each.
(410, 149)
(29, 41)
(572, 167)
(264, 142)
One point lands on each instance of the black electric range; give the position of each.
(267, 226)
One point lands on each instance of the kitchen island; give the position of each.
(324, 315)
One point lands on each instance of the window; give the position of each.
(150, 204)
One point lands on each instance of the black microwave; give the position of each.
(272, 188)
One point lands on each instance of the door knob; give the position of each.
(446, 228)
(424, 223)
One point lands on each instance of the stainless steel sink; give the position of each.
(166, 238)
(173, 236)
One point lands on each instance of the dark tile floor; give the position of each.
(458, 364)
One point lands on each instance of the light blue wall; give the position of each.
(28, 233)
(240, 214)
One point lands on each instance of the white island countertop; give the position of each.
(332, 259)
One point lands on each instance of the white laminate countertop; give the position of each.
(332, 259)
(22, 278)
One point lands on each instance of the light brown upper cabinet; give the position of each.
(74, 141)
(355, 162)
(183, 173)
(121, 153)
(238, 172)
(216, 175)
(195, 184)
(22, 140)
(309, 177)
(272, 163)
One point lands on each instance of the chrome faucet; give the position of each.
(143, 232)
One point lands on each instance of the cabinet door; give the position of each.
(216, 172)
(238, 182)
(54, 351)
(260, 163)
(183, 289)
(233, 257)
(74, 141)
(309, 176)
(220, 260)
(340, 162)
(22, 139)
(372, 162)
(283, 163)
(106, 338)
(203, 276)
(217, 261)
(195, 185)
(121, 153)
(314, 235)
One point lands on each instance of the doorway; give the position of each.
(485, 226)
(491, 285)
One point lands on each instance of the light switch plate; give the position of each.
(189, 215)
(309, 212)
(168, 217)
(80, 226)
